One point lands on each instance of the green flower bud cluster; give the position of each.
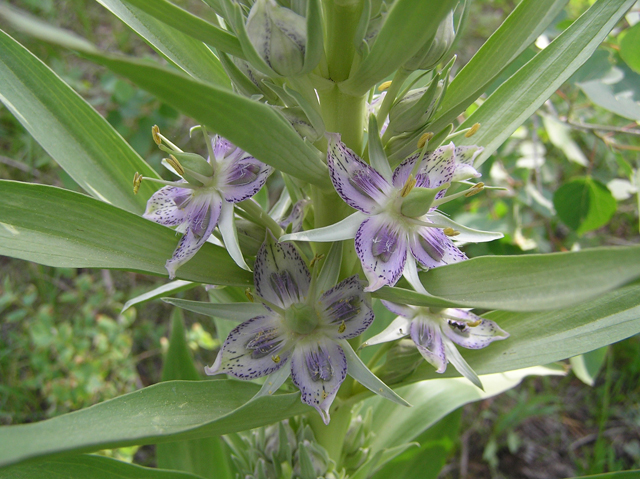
(357, 442)
(286, 450)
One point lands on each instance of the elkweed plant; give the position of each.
(336, 136)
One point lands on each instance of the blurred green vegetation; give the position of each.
(64, 344)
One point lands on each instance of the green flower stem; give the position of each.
(331, 437)
(341, 20)
(255, 213)
(393, 90)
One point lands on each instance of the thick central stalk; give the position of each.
(341, 21)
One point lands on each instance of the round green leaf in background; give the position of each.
(584, 204)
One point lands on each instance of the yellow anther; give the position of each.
(276, 358)
(325, 395)
(137, 179)
(342, 328)
(175, 164)
(472, 131)
(475, 323)
(247, 293)
(408, 186)
(450, 232)
(424, 138)
(315, 259)
(475, 189)
(155, 133)
(384, 86)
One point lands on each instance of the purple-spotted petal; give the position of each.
(166, 206)
(400, 309)
(242, 177)
(221, 148)
(471, 331)
(465, 156)
(359, 185)
(318, 370)
(281, 276)
(202, 215)
(436, 169)
(432, 248)
(255, 348)
(345, 310)
(382, 249)
(295, 217)
(399, 328)
(428, 339)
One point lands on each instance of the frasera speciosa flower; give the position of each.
(302, 330)
(397, 226)
(205, 196)
(435, 332)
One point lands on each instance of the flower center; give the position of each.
(301, 318)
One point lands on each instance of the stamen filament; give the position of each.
(169, 183)
(474, 190)
(158, 138)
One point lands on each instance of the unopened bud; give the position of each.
(279, 35)
(435, 49)
(472, 131)
(424, 138)
(384, 86)
(137, 180)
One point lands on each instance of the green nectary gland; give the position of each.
(301, 318)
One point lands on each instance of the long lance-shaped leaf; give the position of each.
(165, 412)
(168, 288)
(432, 400)
(522, 94)
(544, 337)
(69, 129)
(519, 30)
(251, 125)
(191, 25)
(407, 27)
(187, 53)
(206, 456)
(87, 466)
(525, 283)
(61, 228)
(231, 311)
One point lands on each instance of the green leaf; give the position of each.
(85, 466)
(206, 456)
(522, 94)
(184, 51)
(519, 30)
(187, 23)
(253, 126)
(533, 282)
(584, 204)
(71, 131)
(587, 366)
(544, 337)
(432, 400)
(93, 234)
(231, 311)
(160, 291)
(614, 475)
(407, 27)
(629, 50)
(165, 412)
(426, 462)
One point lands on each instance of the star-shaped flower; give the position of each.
(434, 331)
(397, 223)
(301, 329)
(205, 197)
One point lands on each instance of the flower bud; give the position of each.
(298, 119)
(402, 359)
(250, 236)
(434, 50)
(415, 109)
(279, 36)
